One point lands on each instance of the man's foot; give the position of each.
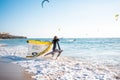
(60, 51)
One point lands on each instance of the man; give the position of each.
(55, 43)
(55, 50)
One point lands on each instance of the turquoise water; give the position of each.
(99, 50)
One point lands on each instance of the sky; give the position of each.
(64, 18)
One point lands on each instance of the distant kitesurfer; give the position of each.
(116, 17)
(44, 2)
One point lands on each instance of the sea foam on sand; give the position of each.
(66, 69)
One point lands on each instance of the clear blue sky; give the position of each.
(65, 18)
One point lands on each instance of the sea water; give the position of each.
(97, 50)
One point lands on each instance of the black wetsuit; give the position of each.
(55, 43)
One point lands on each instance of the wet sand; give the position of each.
(9, 71)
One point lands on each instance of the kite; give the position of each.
(44, 2)
(116, 17)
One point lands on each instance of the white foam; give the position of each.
(66, 69)
(46, 68)
(20, 51)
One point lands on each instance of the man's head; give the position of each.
(55, 37)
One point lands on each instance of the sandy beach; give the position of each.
(9, 71)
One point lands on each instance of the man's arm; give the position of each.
(58, 46)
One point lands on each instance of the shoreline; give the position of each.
(67, 68)
(49, 69)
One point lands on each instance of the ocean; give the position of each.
(98, 50)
